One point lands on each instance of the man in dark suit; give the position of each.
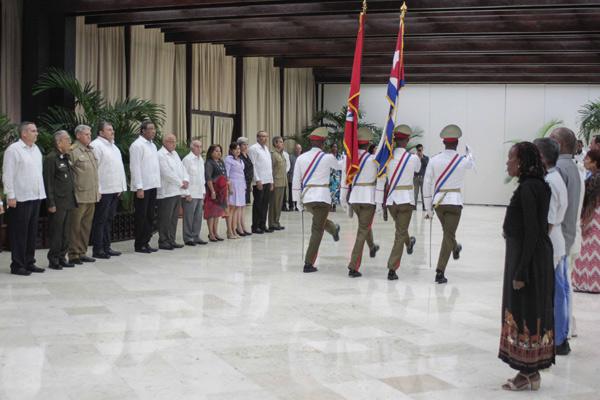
(60, 199)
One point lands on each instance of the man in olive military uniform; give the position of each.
(442, 189)
(87, 194)
(398, 196)
(310, 189)
(280, 170)
(60, 199)
(361, 197)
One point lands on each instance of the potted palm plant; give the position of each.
(590, 120)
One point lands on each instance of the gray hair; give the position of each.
(242, 140)
(23, 125)
(566, 138)
(549, 149)
(276, 139)
(59, 134)
(195, 141)
(81, 128)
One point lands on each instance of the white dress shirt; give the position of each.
(363, 188)
(22, 172)
(172, 174)
(194, 165)
(143, 164)
(320, 177)
(437, 165)
(556, 213)
(263, 165)
(111, 172)
(397, 195)
(288, 163)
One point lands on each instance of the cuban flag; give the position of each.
(351, 127)
(385, 147)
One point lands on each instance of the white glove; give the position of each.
(299, 206)
(344, 204)
(429, 214)
(378, 208)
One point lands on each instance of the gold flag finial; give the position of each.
(364, 8)
(403, 10)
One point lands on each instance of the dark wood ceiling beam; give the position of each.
(479, 69)
(439, 45)
(82, 7)
(388, 27)
(471, 78)
(444, 59)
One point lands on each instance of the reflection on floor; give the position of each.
(238, 320)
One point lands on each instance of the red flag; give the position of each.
(351, 128)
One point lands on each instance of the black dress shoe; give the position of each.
(87, 259)
(240, 233)
(440, 278)
(373, 251)
(200, 241)
(165, 247)
(309, 268)
(392, 276)
(55, 266)
(20, 271)
(152, 249)
(66, 264)
(336, 234)
(354, 274)
(75, 261)
(563, 349)
(258, 231)
(102, 255)
(280, 228)
(456, 251)
(268, 230)
(35, 268)
(177, 245)
(113, 253)
(411, 246)
(144, 250)
(248, 233)
(190, 243)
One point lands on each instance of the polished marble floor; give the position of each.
(237, 320)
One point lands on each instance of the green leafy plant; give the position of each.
(590, 120)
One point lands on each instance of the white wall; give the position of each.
(489, 115)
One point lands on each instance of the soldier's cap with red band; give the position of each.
(365, 135)
(319, 134)
(402, 132)
(450, 134)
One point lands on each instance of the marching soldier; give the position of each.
(361, 197)
(310, 189)
(398, 196)
(444, 178)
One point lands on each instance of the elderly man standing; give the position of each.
(280, 169)
(291, 206)
(263, 182)
(145, 179)
(193, 202)
(174, 180)
(111, 176)
(60, 200)
(24, 188)
(85, 176)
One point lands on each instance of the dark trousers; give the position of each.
(105, 212)
(145, 215)
(58, 233)
(260, 207)
(22, 232)
(418, 187)
(168, 216)
(291, 204)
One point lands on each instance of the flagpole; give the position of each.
(403, 10)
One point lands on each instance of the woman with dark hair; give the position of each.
(237, 190)
(216, 184)
(586, 272)
(527, 337)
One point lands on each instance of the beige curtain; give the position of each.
(223, 131)
(100, 58)
(158, 74)
(201, 129)
(10, 59)
(299, 100)
(213, 79)
(261, 97)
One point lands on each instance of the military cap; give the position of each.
(450, 133)
(365, 135)
(402, 131)
(320, 133)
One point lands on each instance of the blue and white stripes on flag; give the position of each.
(385, 147)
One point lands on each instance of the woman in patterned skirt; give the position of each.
(215, 203)
(527, 337)
(586, 272)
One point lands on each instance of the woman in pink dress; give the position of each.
(237, 189)
(586, 273)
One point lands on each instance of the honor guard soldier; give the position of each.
(310, 189)
(442, 186)
(360, 195)
(396, 192)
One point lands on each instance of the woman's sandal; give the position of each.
(530, 382)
